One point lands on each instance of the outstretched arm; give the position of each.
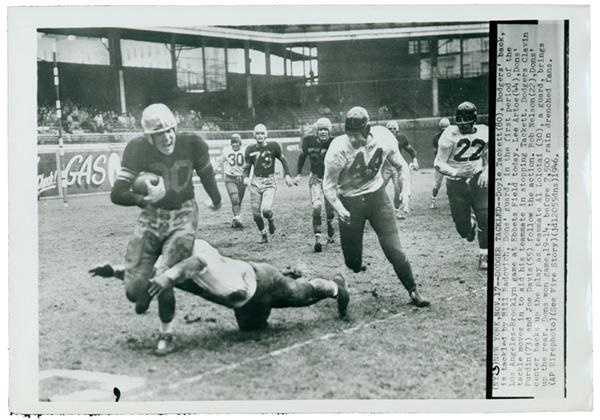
(330, 188)
(186, 269)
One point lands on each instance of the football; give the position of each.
(139, 183)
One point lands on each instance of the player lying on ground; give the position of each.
(169, 213)
(251, 289)
(315, 147)
(463, 157)
(354, 186)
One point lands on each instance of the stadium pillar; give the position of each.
(116, 64)
(225, 47)
(204, 79)
(268, 59)
(434, 79)
(285, 62)
(173, 52)
(249, 101)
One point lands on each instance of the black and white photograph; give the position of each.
(293, 209)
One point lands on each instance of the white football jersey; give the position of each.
(233, 281)
(361, 167)
(234, 161)
(466, 149)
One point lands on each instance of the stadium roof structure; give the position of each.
(279, 38)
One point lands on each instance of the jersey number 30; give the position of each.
(235, 159)
(464, 145)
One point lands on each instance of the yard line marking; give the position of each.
(283, 350)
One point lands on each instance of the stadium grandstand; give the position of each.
(225, 78)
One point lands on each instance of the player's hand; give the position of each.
(344, 215)
(414, 165)
(105, 270)
(288, 181)
(297, 179)
(158, 284)
(212, 206)
(482, 182)
(155, 192)
(246, 181)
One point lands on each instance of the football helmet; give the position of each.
(444, 123)
(236, 141)
(158, 118)
(357, 120)
(466, 116)
(323, 124)
(392, 126)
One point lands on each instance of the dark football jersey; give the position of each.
(403, 144)
(191, 152)
(262, 157)
(315, 150)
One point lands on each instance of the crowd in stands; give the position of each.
(78, 119)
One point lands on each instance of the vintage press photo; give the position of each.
(238, 210)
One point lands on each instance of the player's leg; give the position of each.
(381, 218)
(351, 233)
(256, 202)
(437, 184)
(479, 202)
(267, 204)
(177, 247)
(330, 213)
(288, 293)
(398, 185)
(460, 208)
(143, 250)
(316, 197)
(233, 193)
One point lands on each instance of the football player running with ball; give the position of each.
(463, 157)
(169, 217)
(233, 163)
(261, 156)
(250, 289)
(315, 147)
(354, 185)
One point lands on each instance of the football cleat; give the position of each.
(330, 240)
(236, 224)
(483, 262)
(318, 247)
(400, 215)
(417, 300)
(264, 239)
(433, 203)
(271, 225)
(343, 297)
(166, 344)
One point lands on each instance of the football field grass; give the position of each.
(387, 350)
